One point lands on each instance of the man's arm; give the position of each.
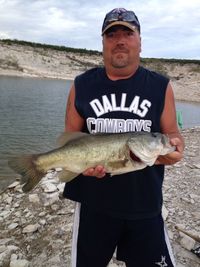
(74, 123)
(169, 126)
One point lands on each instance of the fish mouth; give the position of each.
(134, 157)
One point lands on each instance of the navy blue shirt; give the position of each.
(133, 104)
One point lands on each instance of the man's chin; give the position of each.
(119, 64)
(119, 61)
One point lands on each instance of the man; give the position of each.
(123, 211)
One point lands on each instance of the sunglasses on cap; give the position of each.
(120, 14)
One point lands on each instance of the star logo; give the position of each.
(163, 262)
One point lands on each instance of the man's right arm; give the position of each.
(74, 123)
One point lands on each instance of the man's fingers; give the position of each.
(99, 171)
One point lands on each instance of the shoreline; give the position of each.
(25, 75)
(179, 93)
(36, 62)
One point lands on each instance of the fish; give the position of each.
(77, 151)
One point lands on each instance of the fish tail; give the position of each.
(27, 168)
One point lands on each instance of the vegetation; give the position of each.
(48, 46)
(170, 60)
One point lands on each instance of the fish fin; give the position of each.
(167, 150)
(66, 176)
(115, 165)
(26, 167)
(69, 136)
(150, 162)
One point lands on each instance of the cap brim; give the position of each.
(123, 23)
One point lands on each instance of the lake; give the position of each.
(32, 114)
(31, 117)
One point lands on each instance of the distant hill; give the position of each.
(21, 58)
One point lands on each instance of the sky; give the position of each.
(169, 29)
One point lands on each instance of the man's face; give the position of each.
(121, 47)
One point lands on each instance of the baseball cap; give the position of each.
(120, 16)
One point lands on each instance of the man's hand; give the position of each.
(175, 156)
(99, 171)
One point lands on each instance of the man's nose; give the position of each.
(120, 39)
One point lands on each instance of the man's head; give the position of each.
(121, 42)
(120, 16)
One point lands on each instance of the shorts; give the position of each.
(139, 243)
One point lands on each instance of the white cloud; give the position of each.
(169, 28)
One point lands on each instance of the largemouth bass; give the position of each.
(118, 152)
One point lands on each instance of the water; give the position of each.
(32, 117)
(190, 113)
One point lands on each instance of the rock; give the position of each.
(112, 264)
(13, 185)
(55, 207)
(49, 188)
(16, 205)
(165, 213)
(180, 265)
(34, 198)
(12, 248)
(196, 215)
(197, 165)
(5, 213)
(61, 186)
(8, 200)
(5, 258)
(51, 199)
(19, 263)
(41, 214)
(187, 242)
(170, 234)
(5, 241)
(2, 248)
(42, 222)
(12, 226)
(30, 228)
(13, 257)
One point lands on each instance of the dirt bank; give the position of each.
(24, 60)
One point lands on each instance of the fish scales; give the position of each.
(118, 153)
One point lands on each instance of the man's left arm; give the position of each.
(169, 126)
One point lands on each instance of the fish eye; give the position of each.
(154, 135)
(163, 140)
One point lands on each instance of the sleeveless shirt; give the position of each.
(133, 104)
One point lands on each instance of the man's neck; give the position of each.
(115, 74)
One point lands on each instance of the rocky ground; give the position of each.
(36, 228)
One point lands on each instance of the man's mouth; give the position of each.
(117, 50)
